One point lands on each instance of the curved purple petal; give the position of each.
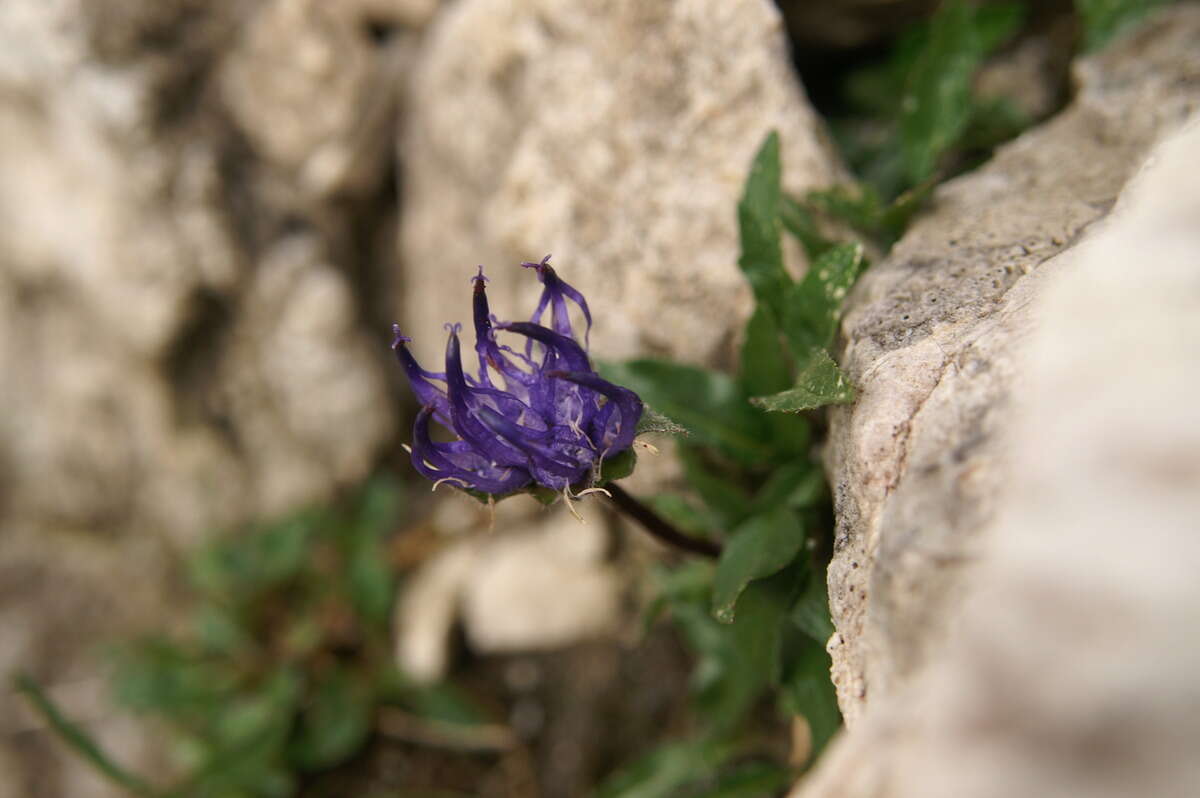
(454, 460)
(628, 404)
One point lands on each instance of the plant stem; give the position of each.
(659, 527)
(75, 737)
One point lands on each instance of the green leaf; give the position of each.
(799, 220)
(760, 230)
(819, 383)
(751, 780)
(335, 723)
(762, 623)
(654, 422)
(815, 304)
(1104, 19)
(764, 362)
(441, 702)
(369, 578)
(708, 403)
(78, 739)
(617, 467)
(937, 99)
(727, 501)
(811, 611)
(761, 546)
(795, 486)
(684, 514)
(664, 772)
(808, 689)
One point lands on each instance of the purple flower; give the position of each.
(539, 415)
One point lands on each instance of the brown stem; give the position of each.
(658, 527)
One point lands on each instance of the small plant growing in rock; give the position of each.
(285, 668)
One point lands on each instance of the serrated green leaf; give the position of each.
(760, 230)
(760, 547)
(937, 99)
(1104, 19)
(815, 303)
(709, 404)
(819, 383)
(653, 421)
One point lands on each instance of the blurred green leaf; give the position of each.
(1104, 19)
(762, 621)
(761, 546)
(440, 701)
(618, 466)
(78, 739)
(811, 611)
(251, 715)
(334, 724)
(254, 560)
(683, 514)
(728, 502)
(799, 220)
(937, 98)
(820, 382)
(760, 231)
(795, 485)
(815, 303)
(808, 689)
(709, 404)
(750, 780)
(764, 362)
(667, 770)
(370, 579)
(156, 675)
(219, 630)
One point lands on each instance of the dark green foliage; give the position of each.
(1104, 19)
(285, 661)
(753, 621)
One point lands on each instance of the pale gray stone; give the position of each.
(615, 135)
(929, 341)
(182, 334)
(1070, 667)
(547, 586)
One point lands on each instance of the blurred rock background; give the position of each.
(211, 211)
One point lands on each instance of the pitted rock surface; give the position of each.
(929, 340)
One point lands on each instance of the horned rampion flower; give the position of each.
(534, 416)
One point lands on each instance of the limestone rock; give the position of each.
(1068, 671)
(542, 588)
(614, 135)
(929, 340)
(182, 334)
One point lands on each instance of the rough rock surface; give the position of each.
(1071, 669)
(182, 293)
(615, 135)
(929, 341)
